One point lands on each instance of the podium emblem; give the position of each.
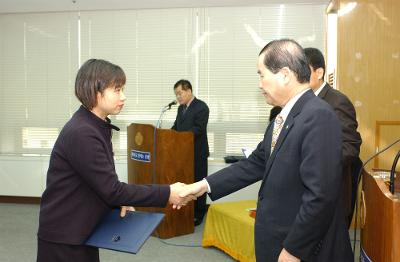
(138, 139)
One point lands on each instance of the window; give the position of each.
(214, 48)
(38, 61)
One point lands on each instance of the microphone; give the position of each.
(171, 104)
(167, 107)
(358, 183)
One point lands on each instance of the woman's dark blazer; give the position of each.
(82, 185)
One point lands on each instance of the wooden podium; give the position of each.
(380, 220)
(163, 156)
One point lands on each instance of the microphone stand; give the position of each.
(165, 109)
(392, 172)
(359, 176)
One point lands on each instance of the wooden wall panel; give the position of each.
(368, 69)
(385, 133)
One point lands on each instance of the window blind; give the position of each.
(214, 48)
(38, 64)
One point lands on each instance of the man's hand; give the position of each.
(285, 256)
(175, 199)
(196, 189)
(124, 209)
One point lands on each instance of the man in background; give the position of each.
(351, 139)
(299, 217)
(193, 116)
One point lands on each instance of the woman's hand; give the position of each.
(124, 209)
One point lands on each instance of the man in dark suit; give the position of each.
(346, 112)
(299, 216)
(193, 116)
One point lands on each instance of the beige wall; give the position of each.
(368, 70)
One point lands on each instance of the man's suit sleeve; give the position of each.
(239, 174)
(351, 138)
(200, 120)
(174, 127)
(321, 176)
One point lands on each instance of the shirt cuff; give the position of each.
(208, 186)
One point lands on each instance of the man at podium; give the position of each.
(193, 116)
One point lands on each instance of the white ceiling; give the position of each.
(17, 6)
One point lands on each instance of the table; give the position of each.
(230, 228)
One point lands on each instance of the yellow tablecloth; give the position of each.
(230, 228)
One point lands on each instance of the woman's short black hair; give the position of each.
(95, 75)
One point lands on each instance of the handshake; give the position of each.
(181, 193)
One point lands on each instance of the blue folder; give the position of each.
(126, 234)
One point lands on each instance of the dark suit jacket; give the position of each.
(297, 206)
(347, 116)
(82, 185)
(195, 120)
(351, 144)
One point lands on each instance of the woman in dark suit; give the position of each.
(82, 185)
